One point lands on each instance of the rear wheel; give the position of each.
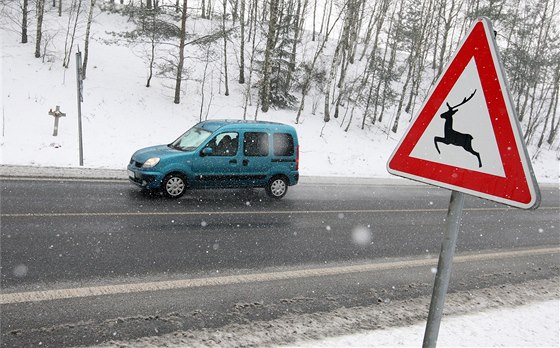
(174, 185)
(277, 187)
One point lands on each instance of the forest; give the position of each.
(367, 63)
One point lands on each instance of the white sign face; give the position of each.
(466, 136)
(471, 118)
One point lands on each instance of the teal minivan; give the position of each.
(221, 154)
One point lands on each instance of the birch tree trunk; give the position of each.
(69, 42)
(86, 44)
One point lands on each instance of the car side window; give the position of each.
(224, 144)
(255, 144)
(283, 144)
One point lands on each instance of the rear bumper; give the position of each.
(296, 179)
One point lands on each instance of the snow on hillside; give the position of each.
(121, 115)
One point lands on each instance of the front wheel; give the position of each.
(174, 185)
(277, 187)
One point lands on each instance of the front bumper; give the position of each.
(144, 179)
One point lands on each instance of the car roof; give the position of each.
(214, 125)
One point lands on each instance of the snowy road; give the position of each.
(84, 230)
(130, 261)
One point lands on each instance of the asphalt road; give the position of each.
(241, 247)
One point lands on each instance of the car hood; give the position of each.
(160, 151)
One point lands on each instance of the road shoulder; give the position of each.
(297, 329)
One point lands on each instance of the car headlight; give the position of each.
(151, 162)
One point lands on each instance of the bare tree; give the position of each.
(310, 68)
(449, 12)
(74, 14)
(247, 91)
(339, 58)
(314, 19)
(415, 27)
(270, 41)
(24, 12)
(326, 15)
(553, 109)
(86, 43)
(376, 65)
(242, 42)
(225, 48)
(207, 59)
(298, 17)
(182, 36)
(153, 38)
(40, 12)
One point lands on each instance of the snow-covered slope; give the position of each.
(121, 115)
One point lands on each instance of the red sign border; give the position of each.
(518, 188)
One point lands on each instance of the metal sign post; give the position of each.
(444, 269)
(496, 166)
(80, 99)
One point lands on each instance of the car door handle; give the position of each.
(233, 161)
(245, 162)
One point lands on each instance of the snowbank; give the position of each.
(522, 315)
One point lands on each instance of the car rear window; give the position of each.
(283, 144)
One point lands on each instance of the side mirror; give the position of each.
(207, 151)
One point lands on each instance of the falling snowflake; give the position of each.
(20, 270)
(361, 235)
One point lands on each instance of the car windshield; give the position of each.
(191, 139)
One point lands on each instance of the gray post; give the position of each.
(79, 86)
(55, 130)
(56, 114)
(444, 269)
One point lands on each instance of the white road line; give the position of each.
(285, 212)
(50, 295)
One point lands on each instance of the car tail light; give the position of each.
(297, 158)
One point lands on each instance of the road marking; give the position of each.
(264, 212)
(50, 295)
(65, 179)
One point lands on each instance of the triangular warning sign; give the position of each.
(466, 136)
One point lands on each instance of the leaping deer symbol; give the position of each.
(451, 136)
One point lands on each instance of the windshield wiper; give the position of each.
(176, 147)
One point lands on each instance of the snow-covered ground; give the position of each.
(509, 327)
(121, 115)
(522, 315)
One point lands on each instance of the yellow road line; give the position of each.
(50, 295)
